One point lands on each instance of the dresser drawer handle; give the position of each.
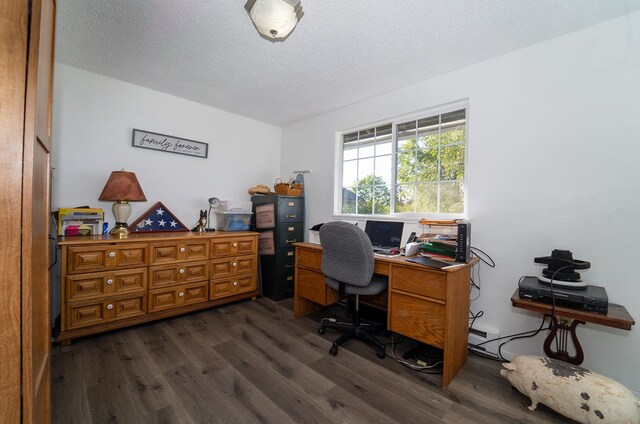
(181, 294)
(181, 271)
(182, 250)
(293, 215)
(110, 306)
(291, 241)
(110, 281)
(235, 283)
(112, 254)
(234, 264)
(235, 244)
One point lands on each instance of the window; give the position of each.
(409, 166)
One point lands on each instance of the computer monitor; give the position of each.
(384, 234)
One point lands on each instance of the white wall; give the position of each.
(92, 127)
(553, 163)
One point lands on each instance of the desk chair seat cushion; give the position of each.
(377, 286)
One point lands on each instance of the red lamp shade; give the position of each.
(122, 185)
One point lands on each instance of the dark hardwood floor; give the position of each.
(252, 362)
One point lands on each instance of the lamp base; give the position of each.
(120, 230)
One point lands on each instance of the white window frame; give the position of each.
(406, 216)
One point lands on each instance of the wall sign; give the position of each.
(168, 143)
(265, 216)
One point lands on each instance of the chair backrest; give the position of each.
(347, 253)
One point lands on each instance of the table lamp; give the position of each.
(123, 187)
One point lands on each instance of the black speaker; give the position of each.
(463, 242)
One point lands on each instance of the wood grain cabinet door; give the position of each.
(31, 48)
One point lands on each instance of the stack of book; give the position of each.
(80, 221)
(439, 249)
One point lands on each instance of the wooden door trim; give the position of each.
(13, 38)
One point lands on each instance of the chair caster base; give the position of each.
(322, 329)
(333, 350)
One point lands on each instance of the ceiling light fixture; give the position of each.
(274, 19)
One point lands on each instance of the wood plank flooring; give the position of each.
(252, 362)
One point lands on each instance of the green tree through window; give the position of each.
(373, 196)
(429, 167)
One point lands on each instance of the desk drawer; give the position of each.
(309, 258)
(417, 281)
(311, 286)
(418, 318)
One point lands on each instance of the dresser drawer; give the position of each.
(160, 300)
(181, 250)
(290, 209)
(227, 267)
(105, 257)
(418, 318)
(233, 247)
(83, 314)
(100, 284)
(230, 286)
(417, 281)
(187, 272)
(289, 233)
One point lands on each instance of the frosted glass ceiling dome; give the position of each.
(274, 19)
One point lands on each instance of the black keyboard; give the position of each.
(384, 250)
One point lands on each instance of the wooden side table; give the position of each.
(616, 317)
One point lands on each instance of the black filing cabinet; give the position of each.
(279, 219)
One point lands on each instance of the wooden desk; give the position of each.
(616, 317)
(425, 304)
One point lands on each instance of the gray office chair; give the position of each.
(347, 263)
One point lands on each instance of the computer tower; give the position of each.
(463, 242)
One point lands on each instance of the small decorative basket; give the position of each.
(284, 189)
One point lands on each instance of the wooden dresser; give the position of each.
(108, 283)
(425, 304)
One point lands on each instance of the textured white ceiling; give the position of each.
(341, 52)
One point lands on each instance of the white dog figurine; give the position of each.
(573, 391)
